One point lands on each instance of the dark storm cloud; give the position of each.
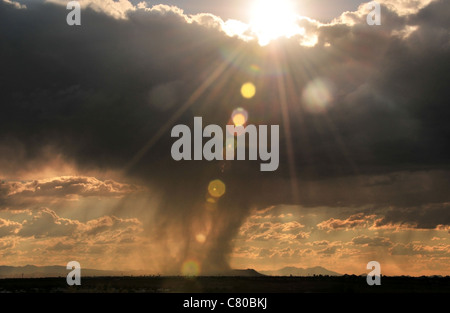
(425, 216)
(89, 90)
(96, 94)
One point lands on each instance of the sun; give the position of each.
(271, 19)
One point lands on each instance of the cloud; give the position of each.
(320, 243)
(443, 227)
(117, 9)
(111, 224)
(372, 241)
(376, 149)
(328, 251)
(46, 223)
(61, 246)
(16, 4)
(8, 228)
(24, 195)
(260, 227)
(354, 221)
(425, 216)
(63, 186)
(47, 236)
(7, 245)
(440, 250)
(361, 87)
(269, 253)
(406, 7)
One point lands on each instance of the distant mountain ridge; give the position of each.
(298, 271)
(242, 273)
(32, 271)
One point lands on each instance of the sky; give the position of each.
(86, 171)
(324, 10)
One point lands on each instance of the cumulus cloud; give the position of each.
(46, 223)
(60, 246)
(117, 9)
(406, 7)
(328, 251)
(16, 4)
(25, 195)
(273, 231)
(7, 244)
(354, 221)
(54, 240)
(8, 228)
(274, 253)
(112, 224)
(270, 225)
(440, 250)
(443, 227)
(63, 186)
(372, 241)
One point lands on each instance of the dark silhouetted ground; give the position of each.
(267, 284)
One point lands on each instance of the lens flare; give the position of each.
(254, 68)
(266, 69)
(230, 148)
(248, 90)
(239, 117)
(318, 95)
(210, 204)
(190, 268)
(216, 188)
(211, 200)
(230, 144)
(201, 238)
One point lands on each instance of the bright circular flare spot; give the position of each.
(216, 188)
(318, 95)
(271, 19)
(239, 117)
(248, 90)
(230, 144)
(190, 268)
(200, 238)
